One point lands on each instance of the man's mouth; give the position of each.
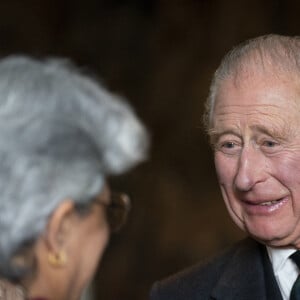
(269, 203)
(265, 207)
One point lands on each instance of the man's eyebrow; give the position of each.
(214, 134)
(218, 132)
(278, 133)
(275, 132)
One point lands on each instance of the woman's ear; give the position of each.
(58, 231)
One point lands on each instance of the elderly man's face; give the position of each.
(256, 135)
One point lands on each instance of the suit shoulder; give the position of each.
(198, 279)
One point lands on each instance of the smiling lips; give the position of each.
(264, 202)
(268, 203)
(264, 207)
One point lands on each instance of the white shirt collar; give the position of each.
(285, 270)
(279, 256)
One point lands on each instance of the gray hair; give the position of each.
(61, 134)
(267, 53)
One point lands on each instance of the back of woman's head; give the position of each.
(61, 134)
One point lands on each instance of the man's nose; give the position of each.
(250, 169)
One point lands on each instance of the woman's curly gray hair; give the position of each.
(61, 134)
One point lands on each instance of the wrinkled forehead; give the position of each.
(258, 92)
(263, 84)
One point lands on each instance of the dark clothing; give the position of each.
(244, 272)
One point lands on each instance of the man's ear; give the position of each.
(59, 226)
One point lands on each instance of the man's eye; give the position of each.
(269, 144)
(228, 145)
(271, 147)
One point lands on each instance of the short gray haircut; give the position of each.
(266, 53)
(61, 134)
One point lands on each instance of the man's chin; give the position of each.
(272, 240)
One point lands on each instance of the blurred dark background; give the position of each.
(161, 55)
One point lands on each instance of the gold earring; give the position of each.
(58, 259)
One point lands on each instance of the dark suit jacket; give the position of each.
(243, 272)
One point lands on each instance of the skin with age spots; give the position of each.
(255, 133)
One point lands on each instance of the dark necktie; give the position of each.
(295, 293)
